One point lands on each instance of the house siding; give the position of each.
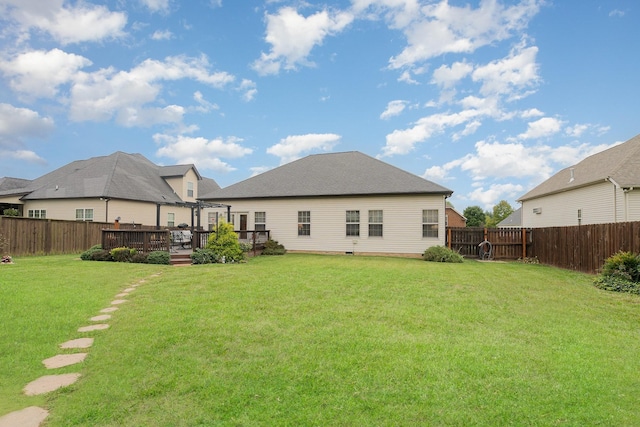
(128, 211)
(599, 203)
(402, 222)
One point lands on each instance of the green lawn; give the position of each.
(324, 340)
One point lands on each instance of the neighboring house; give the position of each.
(339, 203)
(513, 220)
(603, 188)
(454, 218)
(121, 185)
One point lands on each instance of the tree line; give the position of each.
(476, 217)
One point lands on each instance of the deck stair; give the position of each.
(180, 259)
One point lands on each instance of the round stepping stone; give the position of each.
(100, 318)
(118, 301)
(123, 294)
(78, 343)
(129, 290)
(63, 360)
(27, 417)
(93, 327)
(49, 383)
(108, 310)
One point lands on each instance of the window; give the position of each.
(304, 223)
(430, 223)
(375, 223)
(189, 189)
(171, 219)
(37, 213)
(260, 221)
(84, 214)
(353, 223)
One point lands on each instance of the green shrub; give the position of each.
(122, 254)
(159, 257)
(272, 247)
(139, 258)
(101, 255)
(204, 256)
(88, 254)
(11, 212)
(441, 254)
(624, 265)
(224, 243)
(620, 273)
(246, 246)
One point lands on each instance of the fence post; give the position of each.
(449, 237)
(524, 243)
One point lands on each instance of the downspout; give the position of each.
(615, 200)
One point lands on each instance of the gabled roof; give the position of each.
(10, 185)
(177, 170)
(207, 185)
(336, 174)
(513, 220)
(620, 164)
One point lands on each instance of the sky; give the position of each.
(485, 97)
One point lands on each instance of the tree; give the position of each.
(475, 216)
(500, 211)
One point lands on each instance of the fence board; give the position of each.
(507, 243)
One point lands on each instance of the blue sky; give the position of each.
(488, 98)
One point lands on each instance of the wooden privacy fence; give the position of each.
(27, 236)
(584, 247)
(506, 243)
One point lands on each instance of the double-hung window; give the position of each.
(260, 221)
(353, 224)
(171, 219)
(84, 214)
(375, 223)
(189, 189)
(37, 213)
(430, 223)
(304, 223)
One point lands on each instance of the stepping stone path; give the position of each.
(33, 416)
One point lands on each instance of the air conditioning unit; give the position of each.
(537, 210)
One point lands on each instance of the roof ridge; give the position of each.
(107, 186)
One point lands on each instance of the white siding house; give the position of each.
(603, 188)
(340, 203)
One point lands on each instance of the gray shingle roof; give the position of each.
(335, 174)
(119, 176)
(620, 163)
(9, 185)
(513, 220)
(207, 185)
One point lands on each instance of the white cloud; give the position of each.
(18, 123)
(156, 5)
(101, 95)
(257, 170)
(248, 87)
(293, 36)
(576, 130)
(542, 128)
(491, 196)
(162, 35)
(66, 23)
(440, 28)
(40, 73)
(448, 76)
(394, 108)
(204, 105)
(617, 13)
(511, 75)
(292, 147)
(204, 153)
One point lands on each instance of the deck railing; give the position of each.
(142, 240)
(256, 237)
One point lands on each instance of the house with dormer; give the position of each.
(122, 186)
(603, 188)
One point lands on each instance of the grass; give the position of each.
(336, 340)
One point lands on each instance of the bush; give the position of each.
(441, 254)
(159, 257)
(272, 247)
(246, 246)
(88, 254)
(620, 273)
(624, 265)
(101, 255)
(122, 254)
(224, 243)
(204, 256)
(11, 212)
(139, 258)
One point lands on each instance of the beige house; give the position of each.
(339, 203)
(121, 186)
(603, 188)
